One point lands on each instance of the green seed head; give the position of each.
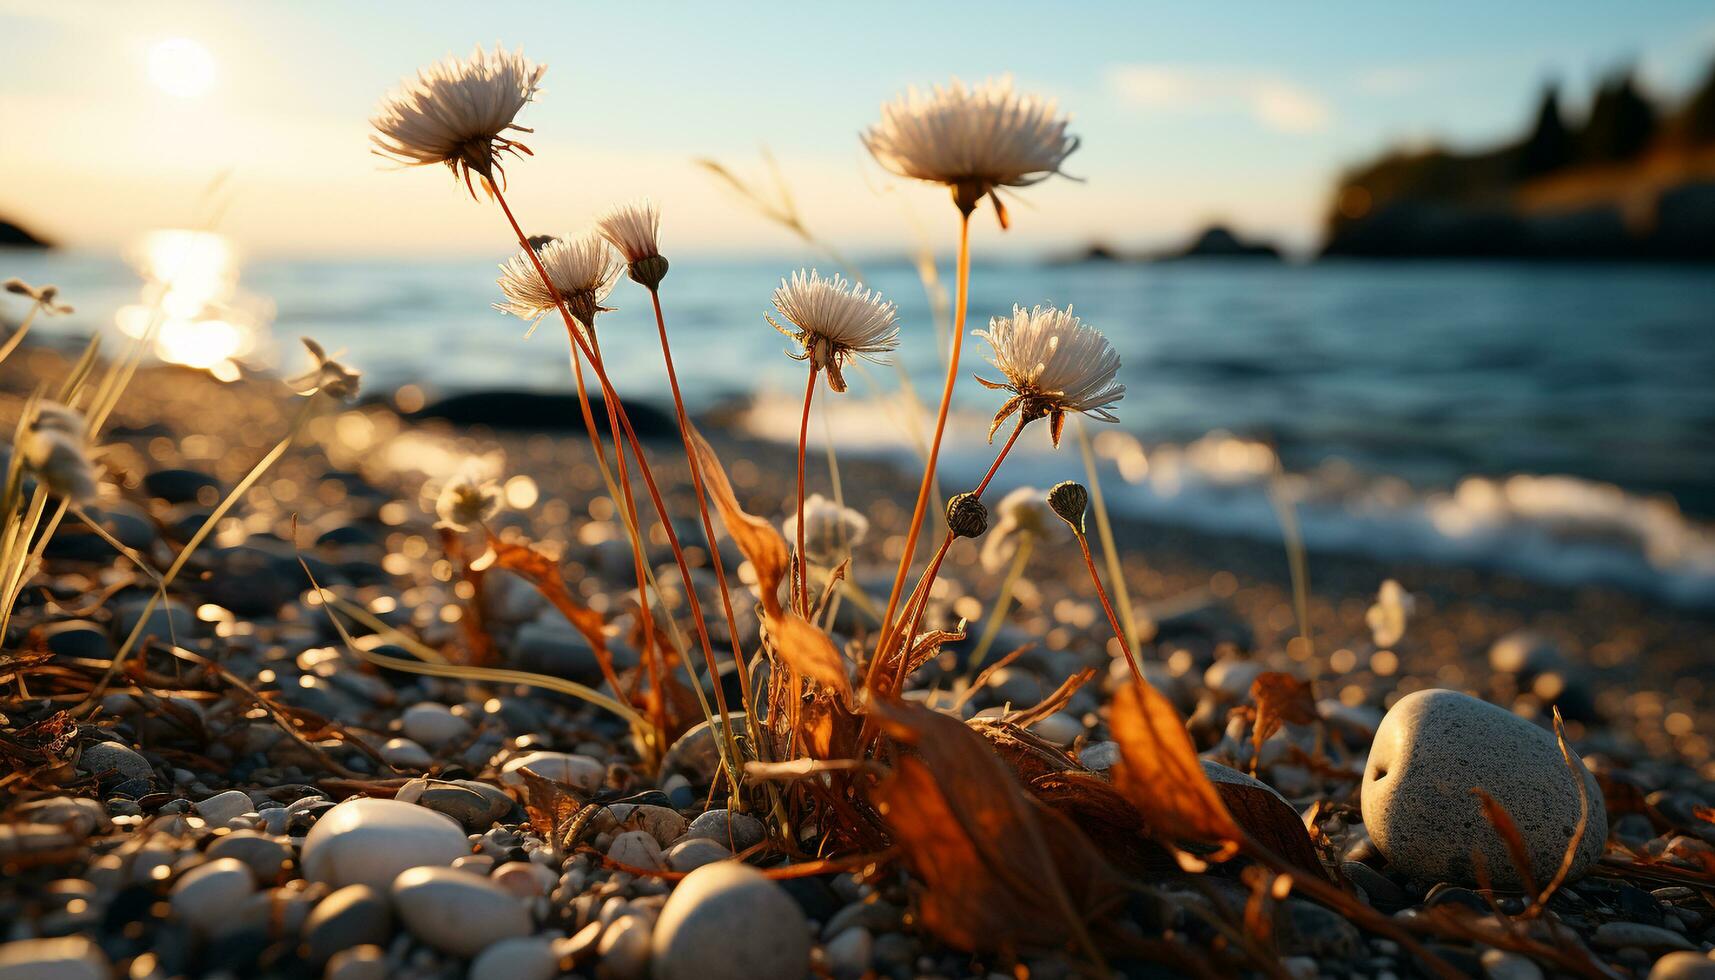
(649, 272)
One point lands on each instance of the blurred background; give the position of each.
(1443, 275)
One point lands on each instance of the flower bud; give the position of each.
(966, 516)
(648, 272)
(1069, 499)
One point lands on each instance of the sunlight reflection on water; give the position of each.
(191, 302)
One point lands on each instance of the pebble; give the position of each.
(849, 953)
(707, 929)
(636, 848)
(624, 950)
(355, 915)
(523, 958)
(67, 958)
(1683, 965)
(206, 896)
(457, 911)
(406, 754)
(358, 963)
(167, 621)
(525, 879)
(114, 764)
(1619, 935)
(1499, 964)
(433, 724)
(579, 771)
(694, 852)
(264, 855)
(1432, 748)
(737, 831)
(221, 807)
(370, 841)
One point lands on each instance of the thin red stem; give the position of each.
(703, 508)
(1107, 607)
(917, 514)
(612, 397)
(803, 565)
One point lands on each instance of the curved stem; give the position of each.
(703, 509)
(916, 526)
(728, 761)
(1107, 607)
(802, 567)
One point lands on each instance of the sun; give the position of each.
(181, 67)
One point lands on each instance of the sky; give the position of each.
(120, 117)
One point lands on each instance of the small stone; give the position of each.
(113, 764)
(358, 963)
(370, 841)
(525, 879)
(736, 831)
(849, 953)
(78, 816)
(431, 724)
(1384, 895)
(207, 895)
(355, 915)
(1619, 935)
(694, 852)
(524, 958)
(1683, 965)
(579, 771)
(456, 911)
(1432, 749)
(221, 807)
(624, 950)
(637, 849)
(264, 855)
(707, 930)
(695, 756)
(168, 621)
(665, 825)
(406, 754)
(1499, 964)
(66, 958)
(181, 486)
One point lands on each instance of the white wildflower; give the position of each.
(467, 500)
(582, 269)
(830, 530)
(1024, 515)
(328, 376)
(1387, 617)
(832, 319)
(53, 448)
(1054, 364)
(455, 111)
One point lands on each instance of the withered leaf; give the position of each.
(755, 537)
(1273, 824)
(544, 573)
(1160, 774)
(1092, 803)
(549, 805)
(999, 869)
(808, 650)
(1279, 698)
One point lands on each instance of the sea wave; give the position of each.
(1556, 529)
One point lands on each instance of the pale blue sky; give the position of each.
(1188, 112)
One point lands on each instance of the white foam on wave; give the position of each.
(1561, 530)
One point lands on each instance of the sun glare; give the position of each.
(181, 67)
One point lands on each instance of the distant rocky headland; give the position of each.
(1214, 242)
(17, 236)
(1630, 180)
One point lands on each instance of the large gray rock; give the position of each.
(1432, 750)
(707, 930)
(67, 958)
(364, 841)
(207, 896)
(457, 911)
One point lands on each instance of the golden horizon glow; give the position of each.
(182, 67)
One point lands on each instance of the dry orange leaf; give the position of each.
(808, 650)
(544, 573)
(755, 537)
(1160, 774)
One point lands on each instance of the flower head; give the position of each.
(455, 111)
(1387, 617)
(830, 530)
(1053, 363)
(467, 500)
(53, 448)
(583, 271)
(831, 319)
(973, 139)
(1024, 516)
(635, 229)
(45, 297)
(329, 376)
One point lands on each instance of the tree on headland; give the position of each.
(1621, 124)
(1549, 145)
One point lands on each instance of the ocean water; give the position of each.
(1555, 420)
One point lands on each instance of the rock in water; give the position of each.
(457, 911)
(1431, 751)
(369, 842)
(707, 930)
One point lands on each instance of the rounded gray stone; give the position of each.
(457, 911)
(370, 841)
(356, 915)
(708, 928)
(1433, 749)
